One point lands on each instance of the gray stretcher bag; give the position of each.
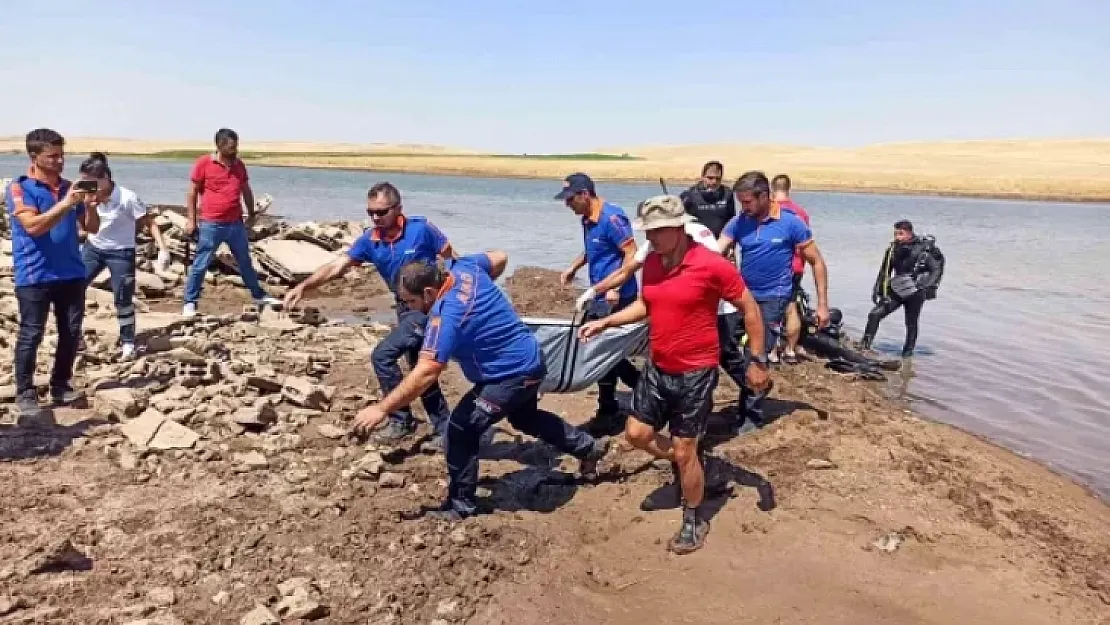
(573, 365)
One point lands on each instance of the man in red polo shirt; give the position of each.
(780, 187)
(219, 181)
(682, 284)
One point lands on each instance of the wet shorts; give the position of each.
(680, 402)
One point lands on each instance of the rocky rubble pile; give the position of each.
(283, 253)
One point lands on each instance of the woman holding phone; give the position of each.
(121, 213)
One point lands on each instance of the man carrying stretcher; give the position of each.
(682, 285)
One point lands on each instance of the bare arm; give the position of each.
(146, 222)
(248, 199)
(191, 202)
(634, 312)
(578, 263)
(36, 223)
(617, 279)
(422, 376)
(90, 220)
(813, 256)
(498, 260)
(337, 267)
(725, 243)
(753, 322)
(627, 269)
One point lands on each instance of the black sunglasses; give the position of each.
(380, 212)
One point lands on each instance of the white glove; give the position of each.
(585, 299)
(164, 260)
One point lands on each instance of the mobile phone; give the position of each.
(86, 185)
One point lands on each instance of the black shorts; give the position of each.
(680, 402)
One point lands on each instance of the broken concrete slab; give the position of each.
(173, 435)
(304, 393)
(261, 615)
(121, 403)
(291, 260)
(259, 416)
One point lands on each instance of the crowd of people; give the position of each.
(718, 289)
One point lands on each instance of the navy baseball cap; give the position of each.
(575, 183)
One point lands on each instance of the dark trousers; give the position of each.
(773, 312)
(68, 299)
(121, 268)
(912, 305)
(516, 399)
(624, 370)
(405, 341)
(733, 361)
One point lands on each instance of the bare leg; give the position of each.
(643, 436)
(690, 470)
(793, 327)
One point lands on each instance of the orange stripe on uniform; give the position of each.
(17, 200)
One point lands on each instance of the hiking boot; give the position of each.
(434, 445)
(127, 351)
(691, 534)
(64, 395)
(189, 310)
(393, 432)
(27, 404)
(588, 466)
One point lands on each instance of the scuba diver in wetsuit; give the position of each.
(909, 275)
(710, 201)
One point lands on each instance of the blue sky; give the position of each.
(560, 76)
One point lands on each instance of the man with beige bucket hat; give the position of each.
(682, 284)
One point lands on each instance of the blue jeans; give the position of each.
(210, 236)
(405, 341)
(517, 399)
(121, 267)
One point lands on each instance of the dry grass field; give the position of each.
(1050, 169)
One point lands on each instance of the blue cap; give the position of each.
(575, 183)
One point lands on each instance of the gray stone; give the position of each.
(300, 605)
(251, 459)
(163, 597)
(391, 480)
(328, 430)
(141, 430)
(261, 615)
(121, 403)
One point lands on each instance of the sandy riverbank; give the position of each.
(875, 516)
(1071, 170)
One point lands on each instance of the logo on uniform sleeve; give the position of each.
(431, 334)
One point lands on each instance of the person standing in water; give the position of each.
(121, 213)
(908, 276)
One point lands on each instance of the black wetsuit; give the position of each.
(713, 209)
(919, 259)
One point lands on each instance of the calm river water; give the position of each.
(1015, 348)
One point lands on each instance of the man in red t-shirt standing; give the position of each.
(780, 187)
(683, 282)
(220, 181)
